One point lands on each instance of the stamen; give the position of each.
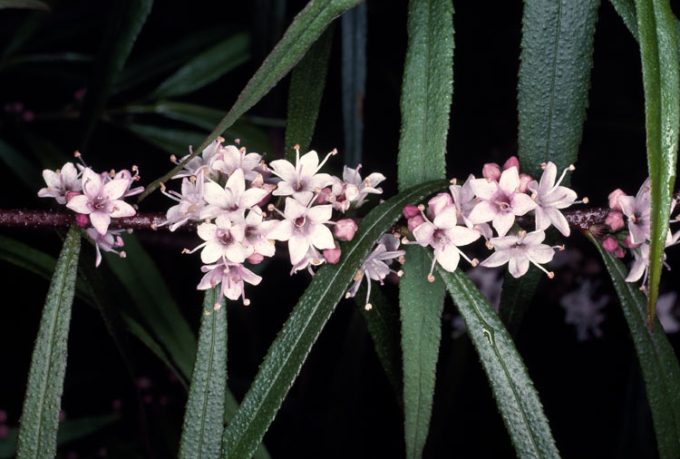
(333, 152)
(368, 292)
(430, 277)
(571, 167)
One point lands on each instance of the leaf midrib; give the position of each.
(553, 77)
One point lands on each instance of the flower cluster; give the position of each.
(628, 222)
(481, 205)
(236, 196)
(97, 198)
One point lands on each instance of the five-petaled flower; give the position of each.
(303, 179)
(550, 197)
(519, 252)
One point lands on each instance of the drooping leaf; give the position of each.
(427, 91)
(204, 414)
(307, 83)
(554, 78)
(291, 347)
(69, 430)
(515, 395)
(40, 414)
(657, 360)
(305, 29)
(421, 304)
(354, 34)
(661, 81)
(207, 67)
(24, 170)
(25, 4)
(125, 23)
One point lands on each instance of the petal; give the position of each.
(522, 203)
(283, 231)
(321, 237)
(533, 238)
(80, 204)
(122, 209)
(100, 221)
(237, 253)
(215, 195)
(541, 254)
(319, 181)
(518, 266)
(484, 188)
(558, 221)
(320, 214)
(498, 258)
(627, 204)
(294, 209)
(447, 217)
(308, 164)
(448, 257)
(236, 182)
(636, 270)
(206, 231)
(297, 248)
(483, 212)
(548, 178)
(424, 233)
(212, 251)
(542, 219)
(506, 242)
(52, 179)
(284, 169)
(503, 222)
(461, 235)
(509, 181)
(252, 196)
(92, 182)
(250, 277)
(116, 188)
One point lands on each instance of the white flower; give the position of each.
(232, 277)
(126, 174)
(60, 183)
(376, 266)
(232, 159)
(500, 201)
(310, 259)
(519, 251)
(202, 162)
(444, 235)
(665, 307)
(101, 201)
(109, 242)
(223, 240)
(257, 231)
(639, 268)
(638, 209)
(233, 199)
(583, 311)
(303, 227)
(302, 180)
(358, 189)
(550, 197)
(190, 201)
(464, 199)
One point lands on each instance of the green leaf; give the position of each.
(658, 362)
(203, 418)
(554, 78)
(307, 83)
(69, 430)
(516, 298)
(206, 67)
(170, 140)
(305, 29)
(40, 415)
(626, 9)
(515, 395)
(421, 304)
(125, 23)
(17, 163)
(291, 347)
(354, 35)
(427, 91)
(661, 80)
(144, 68)
(139, 275)
(26, 4)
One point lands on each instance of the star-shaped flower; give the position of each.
(232, 199)
(190, 201)
(638, 210)
(61, 184)
(519, 251)
(301, 180)
(550, 197)
(102, 201)
(500, 201)
(232, 277)
(232, 159)
(223, 240)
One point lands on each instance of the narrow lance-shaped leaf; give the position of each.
(291, 347)
(658, 362)
(661, 81)
(305, 29)
(554, 78)
(307, 83)
(203, 417)
(515, 395)
(40, 415)
(27, 4)
(125, 23)
(354, 35)
(427, 91)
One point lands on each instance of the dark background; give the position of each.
(341, 405)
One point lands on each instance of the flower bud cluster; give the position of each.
(629, 225)
(481, 206)
(97, 198)
(245, 204)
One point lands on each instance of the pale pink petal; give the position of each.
(284, 169)
(122, 209)
(319, 181)
(309, 163)
(52, 179)
(238, 232)
(423, 233)
(637, 270)
(558, 221)
(206, 231)
(561, 198)
(522, 203)
(541, 254)
(448, 257)
(215, 195)
(548, 178)
(264, 247)
(438, 203)
(237, 253)
(294, 209)
(282, 231)
(92, 182)
(297, 248)
(627, 204)
(447, 217)
(321, 237)
(116, 188)
(518, 266)
(509, 180)
(236, 182)
(283, 189)
(320, 214)
(503, 222)
(502, 243)
(212, 251)
(484, 188)
(252, 196)
(100, 221)
(542, 219)
(461, 235)
(482, 212)
(80, 204)
(533, 238)
(250, 277)
(498, 258)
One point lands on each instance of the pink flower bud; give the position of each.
(619, 253)
(436, 204)
(345, 229)
(255, 259)
(4, 431)
(628, 243)
(614, 199)
(414, 222)
(82, 220)
(524, 181)
(410, 211)
(324, 196)
(70, 194)
(332, 256)
(610, 244)
(615, 220)
(491, 171)
(511, 162)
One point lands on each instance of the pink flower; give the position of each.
(61, 183)
(233, 199)
(519, 251)
(190, 203)
(304, 227)
(444, 235)
(614, 199)
(410, 211)
(499, 201)
(610, 244)
(101, 201)
(332, 256)
(232, 276)
(301, 180)
(257, 231)
(550, 198)
(345, 229)
(230, 159)
(203, 162)
(638, 210)
(223, 240)
(358, 189)
(614, 220)
(108, 242)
